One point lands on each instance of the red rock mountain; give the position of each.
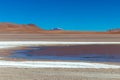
(15, 28)
(31, 28)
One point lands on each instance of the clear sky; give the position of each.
(82, 15)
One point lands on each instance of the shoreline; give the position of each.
(56, 64)
(15, 44)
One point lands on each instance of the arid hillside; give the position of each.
(15, 28)
(31, 28)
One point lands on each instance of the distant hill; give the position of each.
(117, 30)
(15, 28)
(31, 28)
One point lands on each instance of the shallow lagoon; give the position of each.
(77, 51)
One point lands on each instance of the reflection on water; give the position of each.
(24, 54)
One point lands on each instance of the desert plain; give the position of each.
(58, 74)
(98, 62)
(61, 37)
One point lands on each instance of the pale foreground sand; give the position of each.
(58, 74)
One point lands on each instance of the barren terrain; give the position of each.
(30, 32)
(61, 37)
(58, 74)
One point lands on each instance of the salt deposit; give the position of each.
(44, 64)
(7, 44)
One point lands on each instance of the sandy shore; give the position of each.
(58, 74)
(61, 37)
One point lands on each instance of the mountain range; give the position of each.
(31, 28)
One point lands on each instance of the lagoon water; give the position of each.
(31, 48)
(24, 54)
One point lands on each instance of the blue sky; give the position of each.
(82, 15)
